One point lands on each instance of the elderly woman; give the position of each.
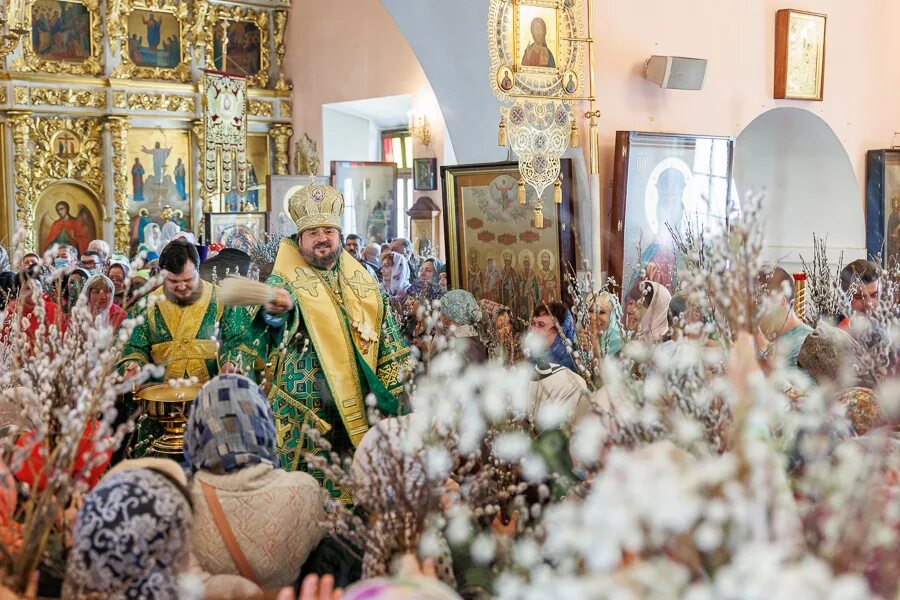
(118, 273)
(99, 292)
(131, 536)
(460, 313)
(395, 275)
(648, 311)
(239, 493)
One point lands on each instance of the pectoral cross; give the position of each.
(308, 282)
(361, 284)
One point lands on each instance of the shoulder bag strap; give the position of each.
(231, 543)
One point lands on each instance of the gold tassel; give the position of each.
(557, 192)
(520, 195)
(538, 216)
(573, 135)
(501, 135)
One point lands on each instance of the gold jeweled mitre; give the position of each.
(316, 205)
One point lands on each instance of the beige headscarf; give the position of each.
(655, 322)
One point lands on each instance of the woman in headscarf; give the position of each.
(131, 536)
(152, 236)
(4, 260)
(419, 294)
(99, 292)
(460, 313)
(73, 283)
(8, 289)
(431, 271)
(274, 515)
(395, 275)
(169, 231)
(552, 324)
(118, 273)
(605, 332)
(500, 332)
(648, 311)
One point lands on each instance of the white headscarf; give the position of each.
(169, 232)
(655, 323)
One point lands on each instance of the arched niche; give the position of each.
(796, 158)
(67, 212)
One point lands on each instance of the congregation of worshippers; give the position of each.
(332, 300)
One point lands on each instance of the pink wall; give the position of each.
(862, 75)
(352, 50)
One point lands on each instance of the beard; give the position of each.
(318, 261)
(195, 295)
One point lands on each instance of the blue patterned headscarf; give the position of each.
(425, 290)
(230, 427)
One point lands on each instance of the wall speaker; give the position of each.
(676, 72)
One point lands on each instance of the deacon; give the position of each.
(179, 328)
(327, 338)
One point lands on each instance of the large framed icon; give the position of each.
(664, 183)
(883, 205)
(494, 249)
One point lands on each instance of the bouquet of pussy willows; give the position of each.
(59, 387)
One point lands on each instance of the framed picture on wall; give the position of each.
(280, 188)
(799, 55)
(494, 249)
(664, 181)
(370, 198)
(236, 230)
(424, 174)
(883, 205)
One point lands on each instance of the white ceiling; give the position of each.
(385, 113)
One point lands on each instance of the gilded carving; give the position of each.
(198, 129)
(286, 108)
(93, 65)
(68, 97)
(84, 162)
(280, 17)
(281, 136)
(120, 99)
(161, 102)
(118, 128)
(119, 13)
(2, 95)
(260, 18)
(259, 108)
(21, 95)
(20, 127)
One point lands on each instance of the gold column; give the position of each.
(280, 17)
(281, 135)
(118, 128)
(198, 129)
(20, 125)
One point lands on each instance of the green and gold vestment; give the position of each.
(338, 345)
(178, 338)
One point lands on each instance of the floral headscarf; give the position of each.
(131, 538)
(461, 307)
(230, 427)
(425, 290)
(438, 267)
(400, 274)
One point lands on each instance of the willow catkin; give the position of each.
(241, 291)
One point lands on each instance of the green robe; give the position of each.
(152, 334)
(295, 380)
